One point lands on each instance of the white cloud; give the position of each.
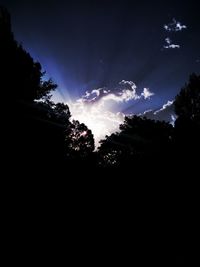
(174, 26)
(96, 91)
(166, 27)
(171, 46)
(168, 40)
(146, 111)
(173, 119)
(169, 103)
(128, 95)
(87, 94)
(165, 113)
(146, 93)
(124, 92)
(180, 27)
(124, 96)
(92, 96)
(132, 84)
(94, 108)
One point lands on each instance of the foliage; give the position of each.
(44, 133)
(139, 139)
(187, 125)
(21, 76)
(80, 139)
(187, 102)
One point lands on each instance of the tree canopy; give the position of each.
(187, 102)
(44, 132)
(139, 140)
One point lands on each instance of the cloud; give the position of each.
(174, 26)
(95, 108)
(93, 95)
(168, 40)
(170, 45)
(165, 113)
(146, 93)
(173, 119)
(168, 104)
(124, 92)
(96, 117)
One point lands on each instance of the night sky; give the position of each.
(102, 54)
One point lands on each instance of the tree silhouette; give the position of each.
(44, 134)
(186, 154)
(187, 102)
(80, 139)
(21, 76)
(187, 125)
(140, 139)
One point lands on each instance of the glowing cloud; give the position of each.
(102, 122)
(94, 109)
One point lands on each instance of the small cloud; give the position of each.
(146, 111)
(92, 96)
(87, 94)
(174, 26)
(166, 27)
(180, 27)
(165, 113)
(168, 104)
(168, 40)
(96, 91)
(146, 93)
(173, 119)
(132, 84)
(171, 46)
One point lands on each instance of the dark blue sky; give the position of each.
(90, 44)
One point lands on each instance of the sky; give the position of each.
(111, 58)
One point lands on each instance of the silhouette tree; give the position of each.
(187, 102)
(186, 151)
(140, 140)
(187, 125)
(43, 132)
(79, 139)
(21, 76)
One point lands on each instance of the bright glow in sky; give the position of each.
(94, 109)
(97, 117)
